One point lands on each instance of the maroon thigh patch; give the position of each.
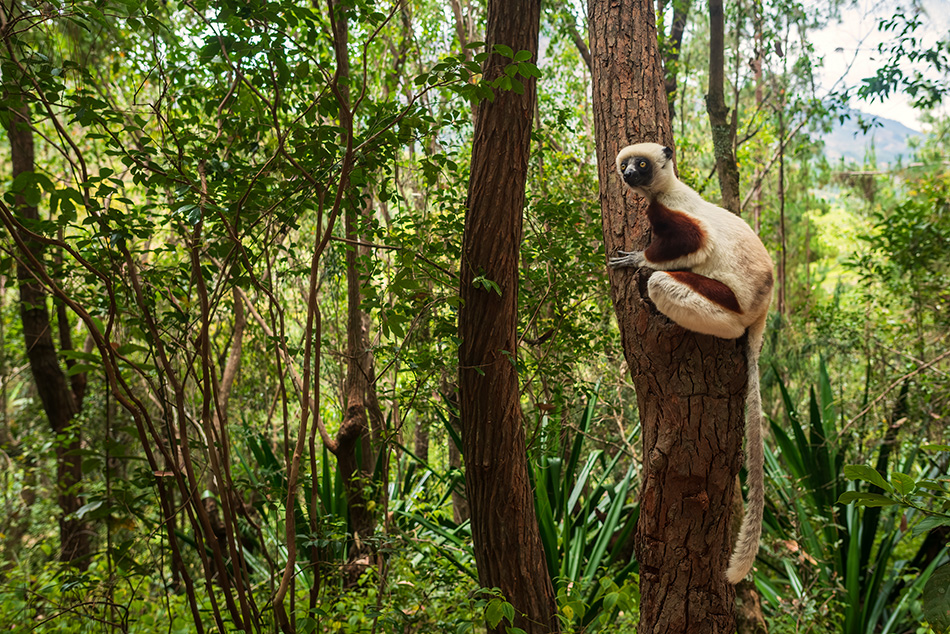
(713, 290)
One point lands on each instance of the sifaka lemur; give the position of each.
(712, 276)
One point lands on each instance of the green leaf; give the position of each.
(23, 180)
(866, 473)
(526, 69)
(504, 51)
(129, 348)
(90, 357)
(483, 282)
(930, 523)
(862, 498)
(547, 524)
(79, 368)
(88, 508)
(903, 483)
(932, 485)
(28, 184)
(936, 598)
(494, 613)
(522, 56)
(936, 447)
(609, 525)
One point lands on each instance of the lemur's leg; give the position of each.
(697, 303)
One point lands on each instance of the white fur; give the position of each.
(690, 309)
(733, 255)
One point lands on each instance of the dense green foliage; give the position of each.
(197, 165)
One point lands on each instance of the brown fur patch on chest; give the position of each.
(675, 234)
(713, 290)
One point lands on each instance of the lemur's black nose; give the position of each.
(632, 177)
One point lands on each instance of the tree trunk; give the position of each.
(421, 440)
(508, 550)
(671, 52)
(353, 449)
(781, 292)
(690, 387)
(759, 99)
(749, 614)
(60, 403)
(723, 126)
(460, 509)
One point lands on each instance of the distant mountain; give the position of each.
(888, 137)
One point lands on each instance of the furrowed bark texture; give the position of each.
(690, 387)
(508, 550)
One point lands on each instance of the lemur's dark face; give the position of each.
(645, 167)
(637, 171)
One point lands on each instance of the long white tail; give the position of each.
(747, 545)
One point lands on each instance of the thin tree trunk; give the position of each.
(782, 281)
(508, 550)
(567, 18)
(7, 444)
(460, 509)
(723, 126)
(464, 26)
(690, 387)
(671, 52)
(421, 440)
(60, 403)
(759, 98)
(353, 449)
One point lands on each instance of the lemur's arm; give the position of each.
(680, 241)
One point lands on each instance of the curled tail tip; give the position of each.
(746, 549)
(737, 572)
(740, 564)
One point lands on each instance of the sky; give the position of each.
(854, 41)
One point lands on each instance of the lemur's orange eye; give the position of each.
(642, 164)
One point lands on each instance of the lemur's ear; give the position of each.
(668, 153)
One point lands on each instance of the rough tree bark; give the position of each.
(723, 123)
(723, 126)
(61, 399)
(508, 550)
(690, 387)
